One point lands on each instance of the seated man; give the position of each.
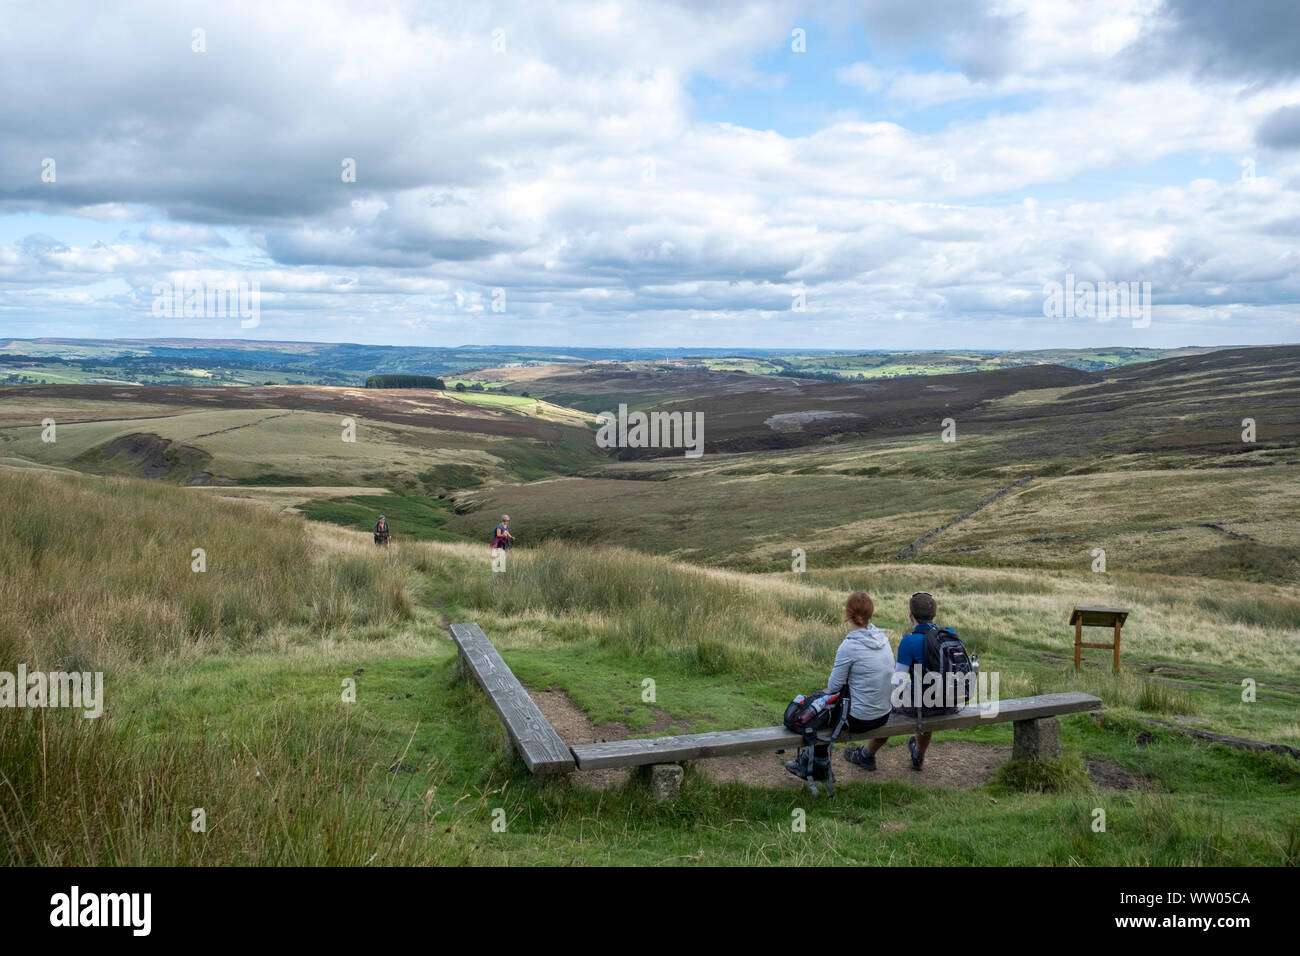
(921, 609)
(865, 662)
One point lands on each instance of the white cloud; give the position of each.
(572, 170)
(181, 234)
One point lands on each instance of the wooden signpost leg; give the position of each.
(1083, 617)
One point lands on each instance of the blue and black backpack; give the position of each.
(946, 655)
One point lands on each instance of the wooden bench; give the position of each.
(1037, 733)
(1025, 712)
(531, 734)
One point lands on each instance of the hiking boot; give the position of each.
(793, 767)
(918, 758)
(859, 757)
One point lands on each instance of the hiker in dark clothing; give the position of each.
(381, 532)
(921, 611)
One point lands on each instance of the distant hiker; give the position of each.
(865, 663)
(501, 537)
(928, 650)
(381, 532)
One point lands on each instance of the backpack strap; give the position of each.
(845, 702)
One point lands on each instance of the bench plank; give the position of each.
(635, 753)
(531, 733)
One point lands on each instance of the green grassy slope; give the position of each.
(224, 692)
(423, 441)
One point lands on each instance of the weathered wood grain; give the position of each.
(634, 753)
(532, 734)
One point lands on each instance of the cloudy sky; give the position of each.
(906, 174)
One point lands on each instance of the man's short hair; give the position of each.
(923, 606)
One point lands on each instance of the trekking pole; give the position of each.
(916, 699)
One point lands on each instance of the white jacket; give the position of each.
(870, 677)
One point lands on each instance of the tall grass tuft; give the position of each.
(1156, 698)
(289, 792)
(650, 606)
(1065, 774)
(95, 572)
(1129, 690)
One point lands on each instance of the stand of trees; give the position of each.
(404, 381)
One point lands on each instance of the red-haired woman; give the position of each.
(866, 663)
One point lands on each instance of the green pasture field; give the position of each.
(488, 398)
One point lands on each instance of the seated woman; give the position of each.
(865, 662)
(871, 679)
